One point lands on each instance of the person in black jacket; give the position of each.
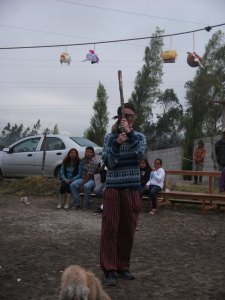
(145, 170)
(220, 151)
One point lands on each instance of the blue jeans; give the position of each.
(99, 189)
(154, 190)
(143, 190)
(75, 191)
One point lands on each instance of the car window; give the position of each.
(52, 143)
(29, 145)
(83, 142)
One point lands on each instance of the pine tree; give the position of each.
(56, 129)
(146, 86)
(11, 133)
(36, 128)
(99, 121)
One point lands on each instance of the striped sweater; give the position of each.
(123, 161)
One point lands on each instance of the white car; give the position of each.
(37, 155)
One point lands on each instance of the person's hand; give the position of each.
(124, 125)
(121, 138)
(81, 188)
(146, 187)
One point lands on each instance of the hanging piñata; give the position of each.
(65, 58)
(169, 56)
(194, 60)
(92, 57)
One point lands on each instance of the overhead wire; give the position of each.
(42, 31)
(208, 28)
(127, 12)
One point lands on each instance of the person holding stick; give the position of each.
(122, 151)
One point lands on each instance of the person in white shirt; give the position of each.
(155, 183)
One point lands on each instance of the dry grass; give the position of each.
(189, 187)
(30, 186)
(43, 186)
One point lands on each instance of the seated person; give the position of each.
(71, 169)
(86, 183)
(100, 187)
(145, 170)
(155, 183)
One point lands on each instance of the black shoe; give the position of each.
(98, 210)
(125, 274)
(110, 278)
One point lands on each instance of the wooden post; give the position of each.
(121, 92)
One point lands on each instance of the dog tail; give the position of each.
(74, 292)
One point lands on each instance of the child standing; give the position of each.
(155, 183)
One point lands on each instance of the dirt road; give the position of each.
(178, 254)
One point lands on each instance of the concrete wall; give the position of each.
(172, 158)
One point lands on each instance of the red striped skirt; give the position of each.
(121, 209)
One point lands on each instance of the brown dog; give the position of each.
(79, 284)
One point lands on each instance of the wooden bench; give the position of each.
(205, 200)
(145, 197)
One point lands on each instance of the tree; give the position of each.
(169, 125)
(47, 131)
(56, 129)
(203, 117)
(168, 99)
(10, 134)
(99, 121)
(146, 86)
(36, 128)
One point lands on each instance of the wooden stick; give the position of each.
(121, 92)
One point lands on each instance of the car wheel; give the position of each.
(57, 172)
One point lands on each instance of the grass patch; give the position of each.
(30, 186)
(192, 188)
(43, 186)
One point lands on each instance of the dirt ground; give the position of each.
(177, 254)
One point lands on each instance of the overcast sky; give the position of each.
(33, 83)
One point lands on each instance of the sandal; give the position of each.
(152, 212)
